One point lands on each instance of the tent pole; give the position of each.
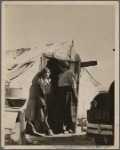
(76, 109)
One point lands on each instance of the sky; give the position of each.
(92, 27)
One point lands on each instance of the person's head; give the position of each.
(63, 65)
(44, 73)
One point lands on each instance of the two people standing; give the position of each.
(65, 96)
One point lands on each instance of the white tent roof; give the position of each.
(62, 51)
(21, 60)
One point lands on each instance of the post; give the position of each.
(88, 63)
(22, 127)
(78, 81)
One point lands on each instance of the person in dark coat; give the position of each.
(36, 111)
(66, 99)
(53, 65)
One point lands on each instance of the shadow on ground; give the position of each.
(57, 140)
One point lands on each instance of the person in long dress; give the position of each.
(36, 110)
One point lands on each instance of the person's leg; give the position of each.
(70, 114)
(58, 126)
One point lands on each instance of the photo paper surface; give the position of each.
(36, 35)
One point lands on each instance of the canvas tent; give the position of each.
(62, 51)
(23, 64)
(88, 89)
(22, 68)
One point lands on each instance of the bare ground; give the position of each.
(79, 138)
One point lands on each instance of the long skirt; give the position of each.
(65, 110)
(34, 113)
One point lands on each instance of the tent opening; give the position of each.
(52, 64)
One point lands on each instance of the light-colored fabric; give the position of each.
(10, 119)
(45, 85)
(62, 51)
(20, 69)
(67, 79)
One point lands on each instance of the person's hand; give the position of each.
(75, 100)
(75, 97)
(46, 116)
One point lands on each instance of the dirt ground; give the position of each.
(78, 138)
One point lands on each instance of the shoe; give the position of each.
(49, 132)
(70, 131)
(66, 132)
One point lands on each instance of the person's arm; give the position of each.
(44, 107)
(75, 96)
(35, 79)
(74, 87)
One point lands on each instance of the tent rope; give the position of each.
(93, 78)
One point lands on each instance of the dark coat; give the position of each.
(35, 110)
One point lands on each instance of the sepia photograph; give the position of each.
(60, 75)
